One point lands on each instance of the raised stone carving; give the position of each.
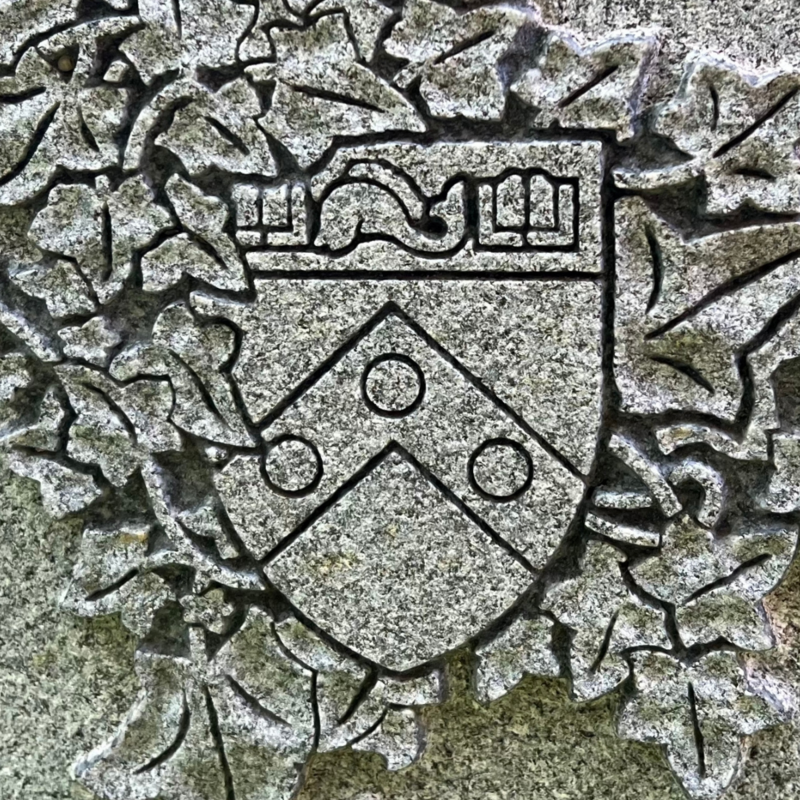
(361, 333)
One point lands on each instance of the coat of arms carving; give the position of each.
(360, 334)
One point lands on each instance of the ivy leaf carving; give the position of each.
(190, 356)
(596, 86)
(38, 427)
(606, 619)
(366, 18)
(739, 129)
(60, 284)
(18, 28)
(455, 56)
(117, 427)
(323, 91)
(187, 44)
(54, 111)
(93, 341)
(524, 648)
(244, 717)
(77, 222)
(700, 712)
(185, 34)
(113, 575)
(687, 309)
(717, 582)
(64, 490)
(204, 249)
(219, 128)
(382, 719)
(201, 726)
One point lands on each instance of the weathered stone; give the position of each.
(378, 361)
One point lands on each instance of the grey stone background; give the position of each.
(65, 682)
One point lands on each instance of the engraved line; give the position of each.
(685, 369)
(20, 97)
(216, 735)
(489, 393)
(751, 129)
(715, 106)
(255, 703)
(112, 587)
(372, 728)
(605, 644)
(699, 741)
(756, 561)
(658, 267)
(227, 134)
(466, 510)
(392, 309)
(34, 142)
(334, 498)
(729, 287)
(367, 685)
(425, 274)
(315, 710)
(326, 365)
(176, 13)
(465, 45)
(86, 132)
(121, 416)
(587, 87)
(334, 97)
(394, 447)
(183, 729)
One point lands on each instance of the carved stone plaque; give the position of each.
(364, 338)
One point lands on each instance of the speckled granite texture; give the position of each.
(399, 400)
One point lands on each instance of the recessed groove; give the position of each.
(107, 241)
(728, 579)
(86, 132)
(699, 740)
(758, 174)
(751, 129)
(657, 258)
(465, 45)
(200, 385)
(334, 97)
(572, 97)
(606, 643)
(36, 140)
(714, 107)
(425, 275)
(11, 98)
(111, 588)
(227, 134)
(219, 742)
(180, 736)
(176, 14)
(367, 685)
(255, 704)
(729, 287)
(115, 408)
(685, 369)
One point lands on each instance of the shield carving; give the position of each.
(360, 335)
(423, 364)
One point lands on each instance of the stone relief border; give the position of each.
(124, 133)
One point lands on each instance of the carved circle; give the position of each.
(393, 385)
(292, 466)
(500, 470)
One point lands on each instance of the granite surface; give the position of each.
(399, 400)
